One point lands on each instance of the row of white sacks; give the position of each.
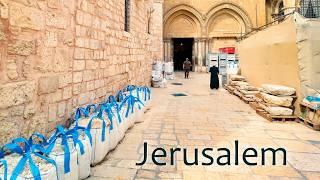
(69, 153)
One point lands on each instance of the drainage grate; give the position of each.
(179, 94)
(177, 84)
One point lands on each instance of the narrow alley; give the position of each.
(202, 119)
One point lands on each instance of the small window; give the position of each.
(310, 8)
(127, 15)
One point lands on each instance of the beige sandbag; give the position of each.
(250, 88)
(237, 78)
(239, 83)
(246, 92)
(278, 90)
(279, 111)
(275, 100)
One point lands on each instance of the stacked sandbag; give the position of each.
(158, 80)
(25, 161)
(169, 71)
(99, 129)
(62, 149)
(278, 100)
(84, 150)
(236, 83)
(248, 93)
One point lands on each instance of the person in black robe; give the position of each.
(214, 81)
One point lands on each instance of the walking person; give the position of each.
(186, 68)
(214, 80)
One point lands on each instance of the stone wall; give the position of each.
(57, 55)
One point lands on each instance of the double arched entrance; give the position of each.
(190, 34)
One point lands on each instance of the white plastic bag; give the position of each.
(84, 158)
(100, 138)
(58, 157)
(168, 67)
(62, 150)
(109, 115)
(157, 66)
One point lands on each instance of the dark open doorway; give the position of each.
(182, 50)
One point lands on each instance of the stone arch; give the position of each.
(232, 10)
(175, 21)
(225, 23)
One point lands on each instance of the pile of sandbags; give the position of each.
(158, 79)
(248, 92)
(235, 83)
(169, 71)
(69, 153)
(239, 86)
(277, 100)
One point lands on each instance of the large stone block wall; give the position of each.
(57, 55)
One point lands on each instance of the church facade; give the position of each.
(206, 26)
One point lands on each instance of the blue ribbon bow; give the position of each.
(98, 116)
(64, 135)
(3, 163)
(26, 155)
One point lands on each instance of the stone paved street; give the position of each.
(215, 119)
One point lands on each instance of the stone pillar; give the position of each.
(202, 49)
(199, 54)
(167, 50)
(207, 44)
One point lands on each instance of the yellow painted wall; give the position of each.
(270, 56)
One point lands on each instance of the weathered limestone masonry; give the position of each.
(57, 55)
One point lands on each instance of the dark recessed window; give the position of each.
(127, 15)
(310, 8)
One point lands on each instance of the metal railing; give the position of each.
(277, 18)
(310, 8)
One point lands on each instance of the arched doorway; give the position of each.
(181, 26)
(225, 24)
(186, 29)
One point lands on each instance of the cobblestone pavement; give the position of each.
(207, 118)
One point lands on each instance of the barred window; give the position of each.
(310, 8)
(127, 15)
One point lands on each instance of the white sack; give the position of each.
(275, 100)
(168, 67)
(84, 160)
(58, 156)
(278, 90)
(47, 170)
(279, 111)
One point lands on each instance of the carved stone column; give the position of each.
(167, 48)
